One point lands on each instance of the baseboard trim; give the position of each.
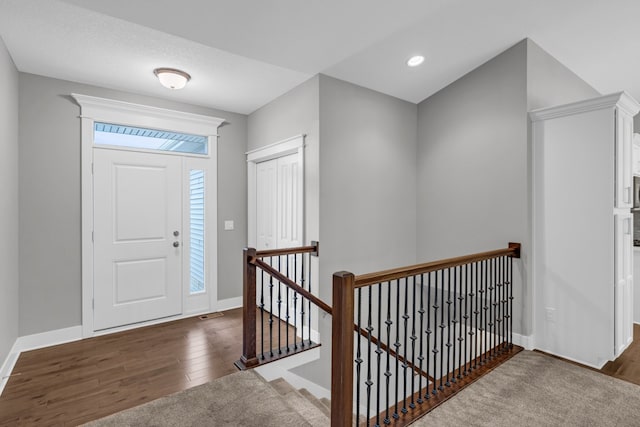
(49, 338)
(229, 303)
(34, 342)
(8, 365)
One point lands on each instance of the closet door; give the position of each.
(624, 160)
(623, 282)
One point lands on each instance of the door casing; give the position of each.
(112, 111)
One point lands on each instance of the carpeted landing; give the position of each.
(530, 389)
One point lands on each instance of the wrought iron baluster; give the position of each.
(295, 302)
(397, 345)
(405, 317)
(496, 303)
(271, 310)
(467, 319)
(420, 352)
(413, 344)
(476, 312)
(369, 329)
(452, 333)
(428, 332)
(502, 311)
(510, 264)
(483, 311)
(461, 298)
(286, 325)
(387, 373)
(309, 307)
(379, 354)
(505, 318)
(490, 325)
(435, 334)
(448, 344)
(302, 299)
(442, 326)
(262, 314)
(358, 354)
(279, 309)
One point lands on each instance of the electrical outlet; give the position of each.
(551, 314)
(228, 225)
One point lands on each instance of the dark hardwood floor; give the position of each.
(627, 366)
(73, 383)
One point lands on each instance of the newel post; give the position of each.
(342, 350)
(248, 358)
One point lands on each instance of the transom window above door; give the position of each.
(107, 134)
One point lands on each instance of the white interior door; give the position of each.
(137, 237)
(279, 203)
(266, 204)
(289, 215)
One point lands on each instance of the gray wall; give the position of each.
(294, 113)
(473, 158)
(472, 161)
(367, 180)
(367, 191)
(9, 206)
(49, 200)
(549, 82)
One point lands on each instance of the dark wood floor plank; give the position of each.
(77, 382)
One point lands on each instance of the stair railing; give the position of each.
(277, 304)
(282, 277)
(450, 320)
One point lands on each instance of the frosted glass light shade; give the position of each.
(172, 78)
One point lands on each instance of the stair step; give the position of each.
(315, 401)
(326, 402)
(281, 386)
(302, 402)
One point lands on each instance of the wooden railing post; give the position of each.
(248, 358)
(342, 350)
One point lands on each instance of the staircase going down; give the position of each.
(315, 411)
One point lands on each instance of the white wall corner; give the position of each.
(525, 341)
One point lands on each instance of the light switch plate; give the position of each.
(228, 225)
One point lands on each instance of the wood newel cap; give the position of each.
(516, 247)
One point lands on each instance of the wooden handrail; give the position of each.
(313, 249)
(293, 285)
(399, 273)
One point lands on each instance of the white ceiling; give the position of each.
(244, 53)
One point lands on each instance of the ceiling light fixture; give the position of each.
(414, 61)
(172, 78)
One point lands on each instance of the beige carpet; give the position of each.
(241, 399)
(532, 389)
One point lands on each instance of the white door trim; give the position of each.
(111, 111)
(282, 148)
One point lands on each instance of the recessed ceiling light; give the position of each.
(416, 60)
(172, 78)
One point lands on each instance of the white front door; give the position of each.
(137, 237)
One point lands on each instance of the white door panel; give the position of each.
(623, 282)
(279, 186)
(266, 205)
(137, 210)
(289, 203)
